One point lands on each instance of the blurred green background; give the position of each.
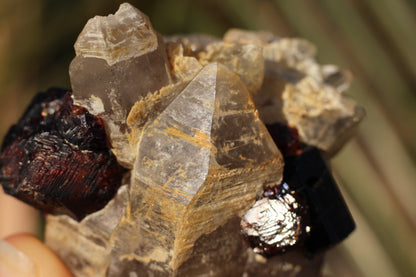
(375, 39)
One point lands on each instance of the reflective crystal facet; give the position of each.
(199, 161)
(120, 59)
(245, 60)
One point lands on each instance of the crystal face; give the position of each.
(114, 38)
(275, 222)
(219, 137)
(308, 177)
(330, 219)
(120, 60)
(197, 159)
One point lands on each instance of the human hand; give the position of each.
(25, 255)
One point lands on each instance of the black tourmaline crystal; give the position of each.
(307, 209)
(330, 219)
(57, 158)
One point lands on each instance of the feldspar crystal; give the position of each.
(187, 116)
(324, 118)
(182, 67)
(192, 44)
(299, 91)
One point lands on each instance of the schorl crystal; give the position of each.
(331, 221)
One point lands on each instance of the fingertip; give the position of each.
(47, 263)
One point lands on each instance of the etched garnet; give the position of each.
(57, 158)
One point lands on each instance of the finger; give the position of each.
(37, 256)
(16, 216)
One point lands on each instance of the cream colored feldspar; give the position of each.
(183, 68)
(301, 92)
(323, 116)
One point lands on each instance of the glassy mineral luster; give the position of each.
(119, 60)
(197, 170)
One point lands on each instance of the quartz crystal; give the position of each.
(245, 60)
(120, 60)
(197, 168)
(85, 246)
(208, 129)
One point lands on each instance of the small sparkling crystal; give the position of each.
(275, 222)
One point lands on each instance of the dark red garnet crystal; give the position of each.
(277, 222)
(306, 210)
(57, 158)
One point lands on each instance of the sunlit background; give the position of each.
(375, 39)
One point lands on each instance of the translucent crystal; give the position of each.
(246, 60)
(85, 246)
(126, 34)
(197, 168)
(183, 67)
(113, 52)
(299, 91)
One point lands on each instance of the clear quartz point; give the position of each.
(196, 159)
(120, 60)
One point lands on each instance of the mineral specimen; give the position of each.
(217, 136)
(57, 159)
(307, 175)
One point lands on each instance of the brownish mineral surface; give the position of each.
(187, 116)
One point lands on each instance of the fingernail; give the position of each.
(14, 263)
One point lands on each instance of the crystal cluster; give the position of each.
(187, 116)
